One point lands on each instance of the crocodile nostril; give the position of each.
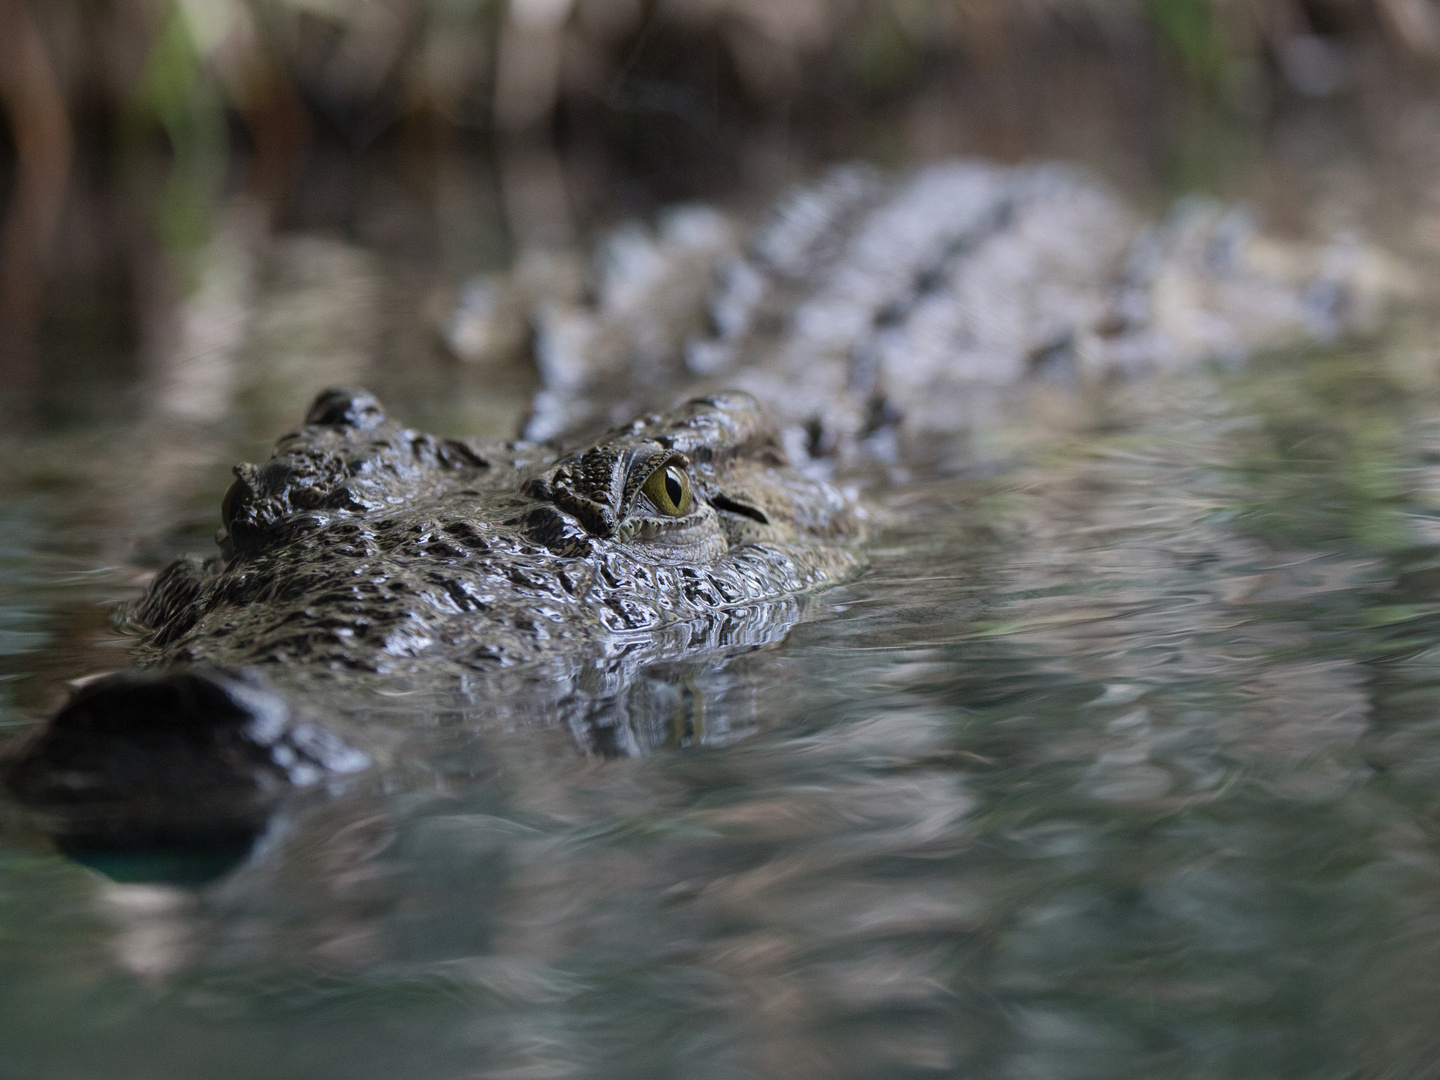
(346, 407)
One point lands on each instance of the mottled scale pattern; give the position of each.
(473, 559)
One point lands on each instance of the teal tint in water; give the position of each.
(192, 866)
(1120, 761)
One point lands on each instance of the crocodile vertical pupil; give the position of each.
(669, 490)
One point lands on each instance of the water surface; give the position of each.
(1120, 760)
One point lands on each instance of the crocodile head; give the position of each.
(364, 552)
(364, 545)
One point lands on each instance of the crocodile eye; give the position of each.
(669, 490)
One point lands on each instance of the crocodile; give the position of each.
(367, 555)
(585, 574)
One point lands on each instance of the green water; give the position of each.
(1121, 760)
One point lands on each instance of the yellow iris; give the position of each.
(668, 488)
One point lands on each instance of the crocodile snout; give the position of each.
(169, 758)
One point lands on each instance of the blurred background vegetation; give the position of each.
(446, 137)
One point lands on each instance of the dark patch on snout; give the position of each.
(171, 758)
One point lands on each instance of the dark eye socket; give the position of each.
(668, 489)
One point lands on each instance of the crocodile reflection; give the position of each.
(591, 589)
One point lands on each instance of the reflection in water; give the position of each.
(151, 935)
(1119, 761)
